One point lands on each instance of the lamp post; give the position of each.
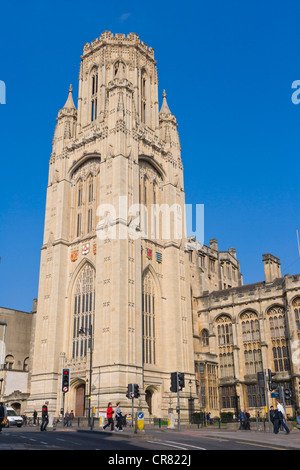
(190, 402)
(83, 331)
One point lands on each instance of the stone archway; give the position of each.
(148, 397)
(152, 398)
(17, 407)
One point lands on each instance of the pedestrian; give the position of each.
(274, 419)
(34, 417)
(298, 420)
(71, 417)
(109, 414)
(2, 415)
(67, 417)
(45, 417)
(247, 420)
(282, 417)
(242, 418)
(119, 418)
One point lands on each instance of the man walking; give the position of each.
(282, 417)
(45, 417)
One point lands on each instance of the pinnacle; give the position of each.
(70, 103)
(165, 108)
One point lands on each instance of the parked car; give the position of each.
(13, 419)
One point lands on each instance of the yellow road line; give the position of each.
(259, 445)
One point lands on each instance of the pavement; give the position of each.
(289, 441)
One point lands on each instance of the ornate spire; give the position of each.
(70, 103)
(165, 108)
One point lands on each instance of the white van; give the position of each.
(13, 419)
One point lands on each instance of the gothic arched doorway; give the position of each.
(148, 396)
(80, 400)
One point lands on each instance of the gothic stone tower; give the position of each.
(124, 298)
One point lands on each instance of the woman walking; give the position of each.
(109, 414)
(119, 417)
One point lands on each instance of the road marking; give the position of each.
(58, 439)
(185, 444)
(168, 445)
(259, 445)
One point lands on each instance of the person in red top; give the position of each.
(109, 414)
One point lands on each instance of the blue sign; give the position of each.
(274, 395)
(140, 415)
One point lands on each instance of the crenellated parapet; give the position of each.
(108, 38)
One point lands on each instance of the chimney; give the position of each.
(271, 267)
(213, 243)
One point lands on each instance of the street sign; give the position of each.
(140, 415)
(274, 395)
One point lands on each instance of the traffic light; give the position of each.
(65, 385)
(272, 385)
(129, 391)
(173, 387)
(133, 391)
(181, 380)
(287, 393)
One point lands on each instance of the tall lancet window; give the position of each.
(279, 338)
(251, 342)
(225, 346)
(94, 92)
(149, 326)
(143, 96)
(83, 311)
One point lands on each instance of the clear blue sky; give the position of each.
(227, 67)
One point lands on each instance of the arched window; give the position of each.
(143, 96)
(149, 319)
(26, 364)
(79, 208)
(119, 70)
(296, 309)
(224, 330)
(9, 362)
(278, 331)
(251, 342)
(225, 346)
(204, 338)
(83, 310)
(94, 92)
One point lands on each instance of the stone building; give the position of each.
(242, 330)
(128, 296)
(16, 332)
(124, 297)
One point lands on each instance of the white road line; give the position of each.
(58, 439)
(168, 445)
(185, 444)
